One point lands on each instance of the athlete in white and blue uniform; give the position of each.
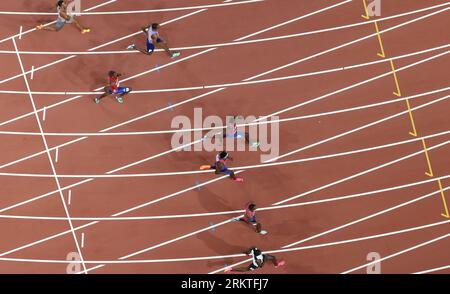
(153, 41)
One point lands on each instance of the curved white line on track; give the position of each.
(321, 245)
(234, 84)
(236, 42)
(432, 270)
(43, 240)
(399, 253)
(389, 73)
(237, 168)
(220, 89)
(352, 223)
(289, 119)
(315, 236)
(209, 227)
(208, 182)
(52, 22)
(49, 158)
(10, 13)
(209, 214)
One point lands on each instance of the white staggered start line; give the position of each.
(49, 156)
(68, 217)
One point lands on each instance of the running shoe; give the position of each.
(176, 54)
(131, 47)
(84, 31)
(263, 232)
(97, 100)
(227, 270)
(119, 99)
(239, 179)
(280, 263)
(39, 27)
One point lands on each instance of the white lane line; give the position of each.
(56, 155)
(294, 20)
(116, 214)
(32, 73)
(49, 156)
(237, 168)
(432, 270)
(123, 167)
(231, 43)
(234, 84)
(44, 113)
(70, 198)
(209, 214)
(220, 89)
(82, 240)
(100, 5)
(399, 253)
(361, 219)
(76, 97)
(124, 12)
(347, 88)
(34, 29)
(349, 43)
(378, 20)
(95, 48)
(286, 249)
(91, 179)
(288, 119)
(298, 242)
(321, 245)
(143, 205)
(115, 126)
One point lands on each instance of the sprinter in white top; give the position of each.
(64, 17)
(153, 40)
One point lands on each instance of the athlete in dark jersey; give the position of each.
(258, 261)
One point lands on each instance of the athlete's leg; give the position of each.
(53, 27)
(108, 92)
(82, 29)
(163, 45)
(273, 260)
(242, 269)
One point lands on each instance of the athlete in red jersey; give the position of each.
(113, 88)
(250, 218)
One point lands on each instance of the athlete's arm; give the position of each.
(248, 251)
(154, 37)
(145, 29)
(63, 12)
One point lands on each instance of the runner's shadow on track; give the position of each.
(211, 201)
(285, 229)
(220, 246)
